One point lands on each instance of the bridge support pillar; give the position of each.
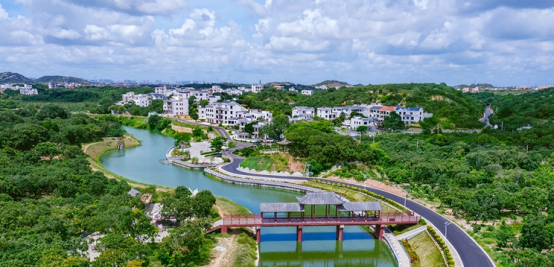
(299, 233)
(224, 229)
(258, 234)
(379, 230)
(340, 232)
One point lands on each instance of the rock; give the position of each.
(220, 248)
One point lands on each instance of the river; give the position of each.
(278, 246)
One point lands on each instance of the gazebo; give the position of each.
(283, 145)
(321, 198)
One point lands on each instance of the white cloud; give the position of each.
(360, 41)
(3, 13)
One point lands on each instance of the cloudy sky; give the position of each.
(503, 42)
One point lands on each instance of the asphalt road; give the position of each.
(470, 252)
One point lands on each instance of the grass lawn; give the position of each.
(428, 252)
(273, 162)
(227, 206)
(352, 195)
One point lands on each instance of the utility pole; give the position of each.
(405, 196)
(417, 145)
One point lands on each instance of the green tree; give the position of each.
(47, 150)
(276, 128)
(362, 129)
(203, 203)
(249, 128)
(154, 120)
(537, 232)
(52, 112)
(393, 122)
(218, 143)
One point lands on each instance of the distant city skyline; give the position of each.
(504, 43)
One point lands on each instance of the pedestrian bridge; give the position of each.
(293, 214)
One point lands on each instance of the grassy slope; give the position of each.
(428, 252)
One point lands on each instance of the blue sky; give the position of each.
(503, 42)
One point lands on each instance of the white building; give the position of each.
(322, 87)
(221, 112)
(142, 100)
(326, 113)
(201, 95)
(27, 90)
(307, 92)
(213, 98)
(256, 88)
(412, 115)
(306, 112)
(215, 89)
(233, 91)
(358, 121)
(177, 105)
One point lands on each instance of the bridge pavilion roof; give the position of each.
(281, 207)
(320, 198)
(361, 206)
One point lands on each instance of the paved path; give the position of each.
(411, 233)
(397, 250)
(471, 254)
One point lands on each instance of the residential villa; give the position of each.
(177, 105)
(307, 92)
(306, 112)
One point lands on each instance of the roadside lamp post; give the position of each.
(446, 228)
(405, 196)
(308, 170)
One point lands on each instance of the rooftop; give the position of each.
(281, 207)
(320, 198)
(360, 206)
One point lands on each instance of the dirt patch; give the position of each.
(441, 98)
(227, 257)
(294, 166)
(181, 129)
(371, 184)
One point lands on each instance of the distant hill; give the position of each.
(11, 77)
(332, 83)
(59, 79)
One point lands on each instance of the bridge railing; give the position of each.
(384, 217)
(241, 219)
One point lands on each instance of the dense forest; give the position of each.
(517, 110)
(99, 100)
(52, 202)
(451, 108)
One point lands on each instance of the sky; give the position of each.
(502, 42)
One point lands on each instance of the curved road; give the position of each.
(470, 252)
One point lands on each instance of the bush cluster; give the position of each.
(442, 244)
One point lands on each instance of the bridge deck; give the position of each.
(257, 220)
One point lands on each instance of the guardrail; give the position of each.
(267, 183)
(392, 242)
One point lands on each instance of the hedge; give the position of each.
(442, 244)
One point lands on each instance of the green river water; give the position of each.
(278, 246)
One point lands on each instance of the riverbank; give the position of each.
(236, 248)
(95, 150)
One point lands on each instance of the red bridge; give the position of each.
(345, 213)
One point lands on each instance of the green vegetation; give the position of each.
(533, 108)
(273, 162)
(442, 245)
(451, 108)
(426, 251)
(316, 142)
(247, 251)
(415, 261)
(51, 199)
